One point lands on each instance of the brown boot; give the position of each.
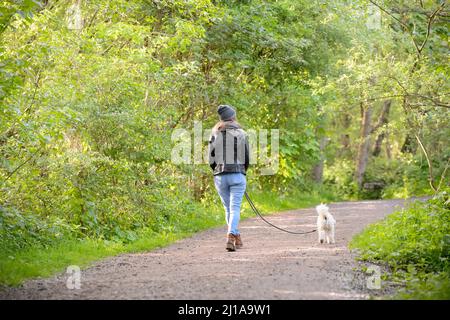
(238, 243)
(231, 239)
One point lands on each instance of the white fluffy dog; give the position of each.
(325, 224)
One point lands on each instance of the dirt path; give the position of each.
(272, 264)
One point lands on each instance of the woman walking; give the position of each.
(229, 159)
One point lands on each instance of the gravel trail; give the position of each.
(271, 265)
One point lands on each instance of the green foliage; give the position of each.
(19, 231)
(403, 178)
(91, 91)
(415, 243)
(270, 201)
(401, 62)
(339, 178)
(87, 109)
(36, 262)
(425, 286)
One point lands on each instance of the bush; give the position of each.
(402, 178)
(339, 177)
(18, 230)
(393, 178)
(414, 242)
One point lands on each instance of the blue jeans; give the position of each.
(231, 188)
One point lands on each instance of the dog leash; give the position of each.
(252, 205)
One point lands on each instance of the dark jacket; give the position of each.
(229, 150)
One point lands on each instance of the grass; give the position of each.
(44, 262)
(415, 244)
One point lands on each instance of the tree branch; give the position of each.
(389, 14)
(430, 167)
(383, 116)
(430, 23)
(443, 175)
(405, 26)
(91, 21)
(432, 99)
(22, 164)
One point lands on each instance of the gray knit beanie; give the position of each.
(226, 112)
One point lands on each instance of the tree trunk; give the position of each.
(344, 150)
(388, 147)
(378, 142)
(383, 120)
(410, 145)
(318, 168)
(363, 149)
